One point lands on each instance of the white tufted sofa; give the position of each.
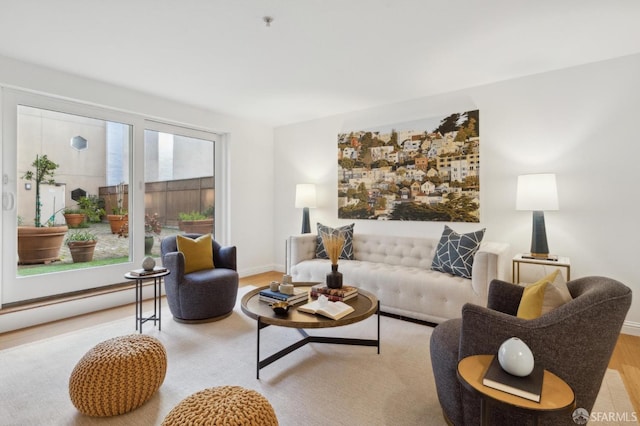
(398, 271)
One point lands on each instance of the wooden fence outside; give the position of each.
(168, 198)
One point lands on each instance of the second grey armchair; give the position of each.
(574, 341)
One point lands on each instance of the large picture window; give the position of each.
(130, 180)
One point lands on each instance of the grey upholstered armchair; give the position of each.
(200, 296)
(574, 341)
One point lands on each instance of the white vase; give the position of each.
(515, 357)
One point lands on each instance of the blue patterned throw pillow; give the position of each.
(345, 231)
(455, 252)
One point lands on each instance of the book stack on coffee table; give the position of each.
(270, 296)
(334, 294)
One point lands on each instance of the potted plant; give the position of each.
(81, 245)
(119, 216)
(152, 228)
(195, 222)
(40, 243)
(90, 206)
(74, 217)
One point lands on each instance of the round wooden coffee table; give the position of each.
(365, 305)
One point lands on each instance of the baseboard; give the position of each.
(632, 328)
(17, 319)
(259, 270)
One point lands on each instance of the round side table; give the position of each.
(556, 393)
(157, 293)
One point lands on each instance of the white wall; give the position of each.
(578, 123)
(249, 214)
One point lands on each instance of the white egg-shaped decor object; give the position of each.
(148, 263)
(515, 357)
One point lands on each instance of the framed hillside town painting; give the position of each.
(426, 170)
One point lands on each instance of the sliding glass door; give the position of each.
(132, 181)
(59, 159)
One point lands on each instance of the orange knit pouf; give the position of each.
(118, 375)
(224, 405)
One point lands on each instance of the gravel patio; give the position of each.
(109, 245)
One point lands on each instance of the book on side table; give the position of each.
(529, 387)
(333, 310)
(145, 272)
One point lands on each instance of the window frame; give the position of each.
(67, 281)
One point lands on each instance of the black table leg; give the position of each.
(137, 313)
(159, 303)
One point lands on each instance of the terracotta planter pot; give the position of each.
(116, 221)
(82, 251)
(40, 245)
(204, 226)
(74, 219)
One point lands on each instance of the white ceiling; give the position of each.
(318, 57)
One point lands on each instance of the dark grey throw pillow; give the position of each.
(345, 231)
(455, 252)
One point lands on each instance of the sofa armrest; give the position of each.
(490, 262)
(227, 258)
(301, 247)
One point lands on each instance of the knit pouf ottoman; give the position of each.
(118, 375)
(224, 405)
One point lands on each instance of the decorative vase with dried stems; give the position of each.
(333, 246)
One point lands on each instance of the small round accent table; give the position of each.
(556, 393)
(157, 293)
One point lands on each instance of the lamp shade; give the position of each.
(537, 192)
(305, 195)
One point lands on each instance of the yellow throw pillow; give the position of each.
(532, 298)
(198, 253)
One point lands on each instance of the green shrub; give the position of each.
(194, 215)
(91, 206)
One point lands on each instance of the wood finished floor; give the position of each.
(625, 359)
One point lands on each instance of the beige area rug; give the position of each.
(318, 384)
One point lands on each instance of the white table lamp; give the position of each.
(538, 192)
(305, 198)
